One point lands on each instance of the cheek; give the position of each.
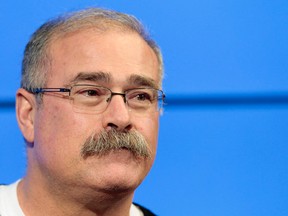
(65, 129)
(58, 132)
(52, 123)
(148, 127)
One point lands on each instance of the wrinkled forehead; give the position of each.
(90, 55)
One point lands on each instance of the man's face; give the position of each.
(60, 132)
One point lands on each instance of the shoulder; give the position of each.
(145, 211)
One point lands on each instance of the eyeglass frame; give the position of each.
(69, 90)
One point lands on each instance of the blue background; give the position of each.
(223, 137)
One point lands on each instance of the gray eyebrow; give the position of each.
(144, 81)
(91, 76)
(100, 76)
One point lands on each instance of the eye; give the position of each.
(90, 91)
(140, 96)
(143, 97)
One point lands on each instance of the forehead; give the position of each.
(120, 54)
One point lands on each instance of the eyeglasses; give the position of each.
(95, 99)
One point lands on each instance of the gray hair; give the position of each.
(36, 60)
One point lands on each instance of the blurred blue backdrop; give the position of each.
(223, 136)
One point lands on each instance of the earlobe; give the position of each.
(25, 110)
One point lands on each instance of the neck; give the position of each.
(45, 199)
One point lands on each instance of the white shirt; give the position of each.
(9, 205)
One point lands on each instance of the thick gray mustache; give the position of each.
(106, 141)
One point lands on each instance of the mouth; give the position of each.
(126, 152)
(124, 149)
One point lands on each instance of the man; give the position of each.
(88, 109)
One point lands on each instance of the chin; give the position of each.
(119, 183)
(118, 188)
(119, 174)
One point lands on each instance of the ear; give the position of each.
(25, 110)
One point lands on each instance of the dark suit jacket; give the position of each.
(145, 211)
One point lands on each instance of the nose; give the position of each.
(117, 115)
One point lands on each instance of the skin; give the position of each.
(57, 175)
